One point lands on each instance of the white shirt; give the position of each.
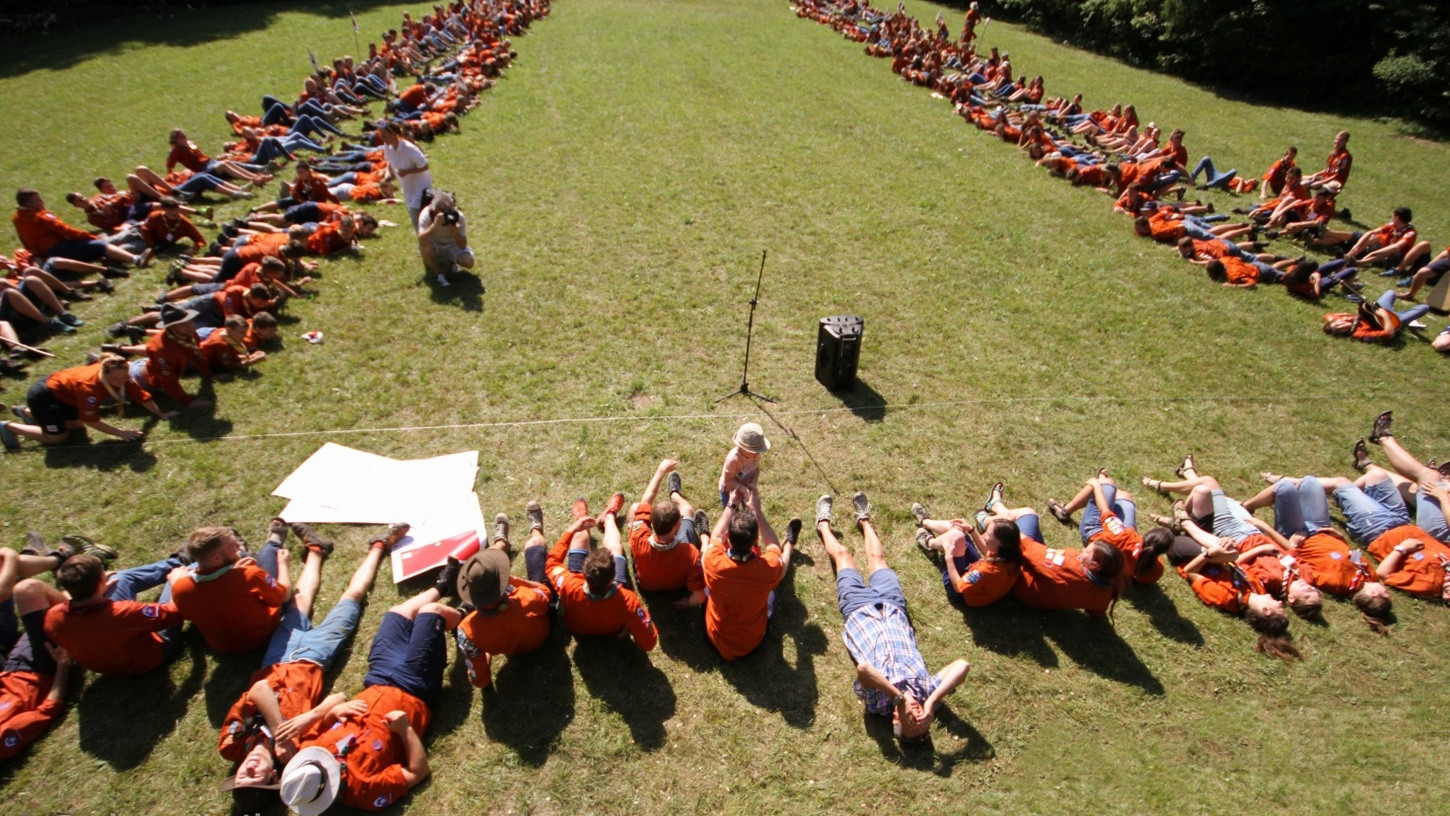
(408, 156)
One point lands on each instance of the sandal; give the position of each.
(1154, 484)
(993, 497)
(1059, 512)
(1182, 470)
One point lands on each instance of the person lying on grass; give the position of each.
(1413, 475)
(36, 672)
(1110, 515)
(30, 303)
(977, 567)
(892, 678)
(44, 235)
(103, 626)
(73, 399)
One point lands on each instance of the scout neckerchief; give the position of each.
(237, 346)
(118, 395)
(188, 343)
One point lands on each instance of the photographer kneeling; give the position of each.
(443, 236)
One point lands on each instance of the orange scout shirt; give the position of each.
(25, 713)
(660, 569)
(371, 755)
(1422, 573)
(521, 626)
(81, 387)
(1326, 562)
(40, 230)
(1130, 544)
(167, 359)
(236, 607)
(111, 637)
(585, 614)
(1054, 579)
(298, 687)
(735, 612)
(986, 581)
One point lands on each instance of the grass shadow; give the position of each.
(202, 424)
(531, 700)
(106, 456)
(464, 290)
(229, 677)
(1092, 644)
(624, 679)
(151, 704)
(863, 400)
(1164, 615)
(966, 743)
(107, 33)
(1007, 628)
(766, 679)
(451, 709)
(682, 632)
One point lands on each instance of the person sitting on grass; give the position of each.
(73, 399)
(36, 673)
(378, 735)
(1388, 245)
(443, 238)
(590, 583)
(260, 730)
(44, 235)
(185, 153)
(1274, 177)
(234, 599)
(664, 536)
(166, 227)
(1110, 515)
(1318, 555)
(741, 576)
(103, 627)
(509, 616)
(892, 678)
(977, 568)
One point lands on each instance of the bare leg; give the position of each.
(840, 556)
(310, 581)
(362, 578)
(1407, 465)
(33, 596)
(875, 556)
(1079, 501)
(20, 303)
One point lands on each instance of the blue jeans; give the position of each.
(1092, 518)
(270, 148)
(296, 639)
(132, 582)
(200, 183)
(1370, 512)
(1419, 310)
(79, 249)
(1214, 178)
(410, 655)
(1302, 509)
(307, 124)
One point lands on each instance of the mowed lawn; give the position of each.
(621, 184)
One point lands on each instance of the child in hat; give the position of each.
(742, 463)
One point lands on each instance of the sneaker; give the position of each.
(674, 482)
(792, 531)
(76, 296)
(923, 541)
(117, 329)
(823, 509)
(144, 259)
(71, 320)
(501, 528)
(861, 506)
(447, 583)
(173, 277)
(1405, 281)
(115, 272)
(1059, 512)
(1361, 456)
(536, 516)
(58, 325)
(150, 308)
(702, 523)
(104, 284)
(611, 507)
(443, 279)
(387, 541)
(92, 357)
(920, 513)
(82, 544)
(22, 412)
(1388, 273)
(1381, 427)
(313, 541)
(1416, 324)
(8, 437)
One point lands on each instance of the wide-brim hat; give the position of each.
(483, 578)
(174, 316)
(751, 437)
(311, 781)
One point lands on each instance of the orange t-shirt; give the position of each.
(735, 612)
(81, 387)
(1422, 573)
(236, 608)
(40, 230)
(371, 754)
(25, 713)
(112, 637)
(1239, 270)
(986, 581)
(661, 569)
(1326, 562)
(298, 687)
(1127, 541)
(1055, 579)
(326, 239)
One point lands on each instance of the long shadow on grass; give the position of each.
(531, 700)
(123, 718)
(1007, 628)
(942, 753)
(106, 455)
(63, 49)
(622, 677)
(766, 679)
(1163, 614)
(202, 424)
(863, 400)
(464, 290)
(229, 677)
(1092, 644)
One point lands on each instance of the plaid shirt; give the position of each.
(881, 635)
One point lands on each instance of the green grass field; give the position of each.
(621, 184)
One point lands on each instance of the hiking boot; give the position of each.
(823, 509)
(611, 508)
(920, 513)
(144, 259)
(115, 272)
(387, 541)
(114, 348)
(1059, 512)
(104, 284)
(861, 506)
(501, 528)
(536, 516)
(76, 296)
(447, 583)
(313, 541)
(702, 523)
(580, 508)
(1361, 456)
(78, 544)
(35, 545)
(1381, 427)
(279, 528)
(674, 482)
(792, 531)
(923, 540)
(117, 329)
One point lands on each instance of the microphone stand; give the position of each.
(744, 389)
